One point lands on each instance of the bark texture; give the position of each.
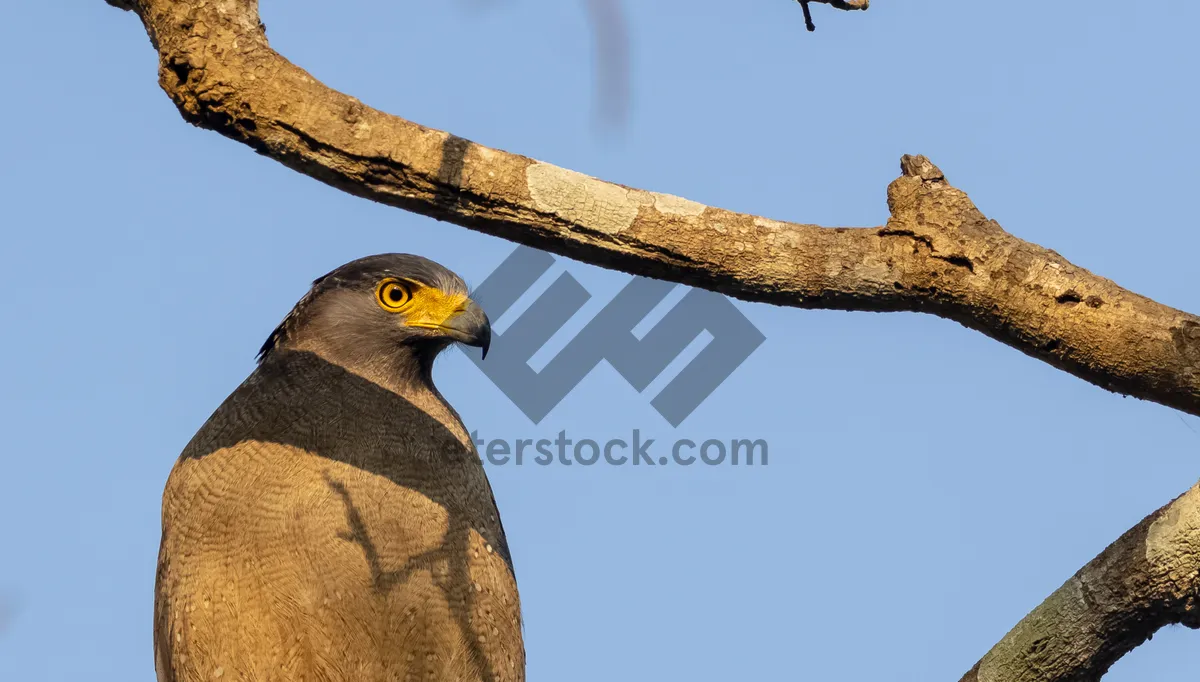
(937, 253)
(1147, 579)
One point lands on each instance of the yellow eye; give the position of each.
(393, 295)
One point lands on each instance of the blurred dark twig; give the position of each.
(611, 41)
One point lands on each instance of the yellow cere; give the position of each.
(423, 306)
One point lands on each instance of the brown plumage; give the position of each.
(332, 522)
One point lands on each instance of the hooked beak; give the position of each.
(470, 326)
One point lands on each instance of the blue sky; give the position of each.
(926, 486)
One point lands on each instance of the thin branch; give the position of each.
(1148, 579)
(937, 253)
(835, 4)
(808, 22)
(846, 4)
(838, 4)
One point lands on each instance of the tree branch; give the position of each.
(1147, 579)
(936, 254)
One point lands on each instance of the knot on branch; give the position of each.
(919, 180)
(937, 216)
(920, 166)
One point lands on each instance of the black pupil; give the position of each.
(395, 294)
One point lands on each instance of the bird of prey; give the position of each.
(332, 522)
